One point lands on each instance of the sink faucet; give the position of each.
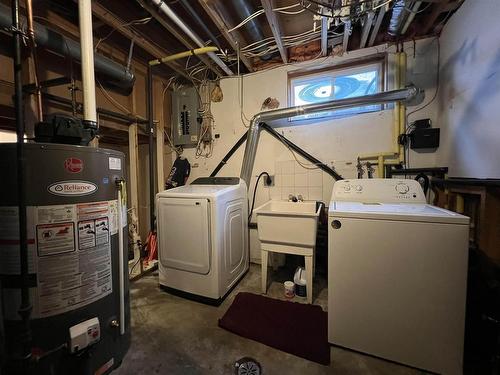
(299, 198)
(292, 198)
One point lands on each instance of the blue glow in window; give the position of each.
(317, 89)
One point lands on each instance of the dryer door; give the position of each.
(234, 238)
(184, 234)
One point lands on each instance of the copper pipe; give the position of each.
(31, 36)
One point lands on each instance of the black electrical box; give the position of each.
(424, 138)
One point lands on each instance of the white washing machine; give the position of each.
(397, 274)
(203, 237)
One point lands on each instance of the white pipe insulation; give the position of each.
(160, 4)
(87, 53)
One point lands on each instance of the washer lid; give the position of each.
(396, 211)
(197, 191)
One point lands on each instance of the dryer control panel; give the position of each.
(378, 190)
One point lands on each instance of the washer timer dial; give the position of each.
(402, 188)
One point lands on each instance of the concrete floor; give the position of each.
(172, 335)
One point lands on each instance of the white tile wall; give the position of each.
(292, 178)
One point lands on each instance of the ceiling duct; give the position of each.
(242, 9)
(398, 17)
(113, 72)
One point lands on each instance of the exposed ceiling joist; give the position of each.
(366, 28)
(181, 38)
(376, 26)
(324, 36)
(347, 33)
(105, 15)
(273, 21)
(210, 9)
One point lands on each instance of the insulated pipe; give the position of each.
(25, 307)
(115, 73)
(194, 37)
(255, 124)
(180, 55)
(87, 52)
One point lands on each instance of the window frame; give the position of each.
(341, 69)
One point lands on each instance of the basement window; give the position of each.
(347, 81)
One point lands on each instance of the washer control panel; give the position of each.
(378, 190)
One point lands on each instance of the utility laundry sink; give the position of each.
(288, 228)
(288, 223)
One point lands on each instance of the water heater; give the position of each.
(78, 274)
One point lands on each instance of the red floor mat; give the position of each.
(293, 327)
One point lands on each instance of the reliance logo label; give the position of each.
(72, 188)
(73, 165)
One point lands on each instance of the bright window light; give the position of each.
(340, 83)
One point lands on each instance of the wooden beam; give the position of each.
(366, 29)
(324, 36)
(105, 15)
(273, 21)
(210, 9)
(376, 27)
(179, 36)
(160, 135)
(347, 33)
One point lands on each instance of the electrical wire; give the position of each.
(255, 191)
(141, 21)
(248, 19)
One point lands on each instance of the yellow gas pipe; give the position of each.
(180, 55)
(399, 115)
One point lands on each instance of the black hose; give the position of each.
(255, 191)
(325, 168)
(25, 307)
(229, 154)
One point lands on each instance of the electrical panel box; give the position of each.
(185, 125)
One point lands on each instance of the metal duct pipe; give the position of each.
(87, 52)
(244, 10)
(398, 17)
(115, 73)
(185, 4)
(190, 33)
(405, 95)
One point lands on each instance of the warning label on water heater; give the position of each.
(70, 253)
(74, 257)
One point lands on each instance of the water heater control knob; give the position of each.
(402, 188)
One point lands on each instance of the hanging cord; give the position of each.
(268, 180)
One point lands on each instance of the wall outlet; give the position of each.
(265, 181)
